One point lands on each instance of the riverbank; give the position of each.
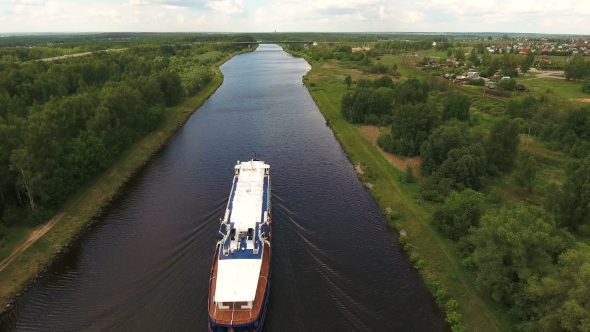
(432, 254)
(79, 212)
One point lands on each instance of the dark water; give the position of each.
(145, 267)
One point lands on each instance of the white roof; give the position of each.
(237, 280)
(247, 203)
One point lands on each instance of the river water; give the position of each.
(145, 266)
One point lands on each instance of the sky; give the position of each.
(532, 16)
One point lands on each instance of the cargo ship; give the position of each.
(240, 276)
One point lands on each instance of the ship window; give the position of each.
(250, 233)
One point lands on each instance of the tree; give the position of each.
(22, 162)
(512, 247)
(457, 106)
(586, 85)
(434, 151)
(574, 202)
(502, 144)
(576, 68)
(464, 168)
(460, 211)
(473, 55)
(460, 54)
(526, 170)
(348, 81)
(171, 86)
(527, 63)
(411, 126)
(562, 298)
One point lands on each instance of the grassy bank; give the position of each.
(437, 261)
(81, 209)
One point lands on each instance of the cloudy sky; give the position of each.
(539, 16)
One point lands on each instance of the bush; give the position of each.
(586, 86)
(393, 216)
(477, 81)
(11, 216)
(507, 84)
(452, 304)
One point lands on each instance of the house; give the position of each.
(587, 52)
(472, 75)
(524, 51)
(364, 48)
(544, 57)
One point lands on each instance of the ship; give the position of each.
(239, 285)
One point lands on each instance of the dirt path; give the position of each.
(34, 236)
(559, 74)
(372, 134)
(79, 54)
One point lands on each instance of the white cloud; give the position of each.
(227, 7)
(202, 20)
(544, 16)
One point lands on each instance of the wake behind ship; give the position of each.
(240, 276)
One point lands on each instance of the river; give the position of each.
(145, 265)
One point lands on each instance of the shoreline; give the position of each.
(429, 254)
(78, 214)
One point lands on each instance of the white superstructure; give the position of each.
(244, 229)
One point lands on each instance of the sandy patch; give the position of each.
(327, 65)
(372, 133)
(582, 100)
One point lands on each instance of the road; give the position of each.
(79, 54)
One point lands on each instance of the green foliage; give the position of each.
(577, 68)
(586, 86)
(526, 170)
(409, 175)
(459, 213)
(348, 81)
(62, 122)
(411, 91)
(464, 168)
(449, 136)
(365, 104)
(527, 63)
(507, 84)
(502, 145)
(452, 304)
(524, 108)
(562, 298)
(411, 126)
(574, 198)
(457, 106)
(512, 247)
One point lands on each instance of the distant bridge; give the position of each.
(271, 42)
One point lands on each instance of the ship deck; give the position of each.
(240, 316)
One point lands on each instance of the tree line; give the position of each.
(63, 122)
(524, 257)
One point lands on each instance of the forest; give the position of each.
(62, 122)
(528, 258)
